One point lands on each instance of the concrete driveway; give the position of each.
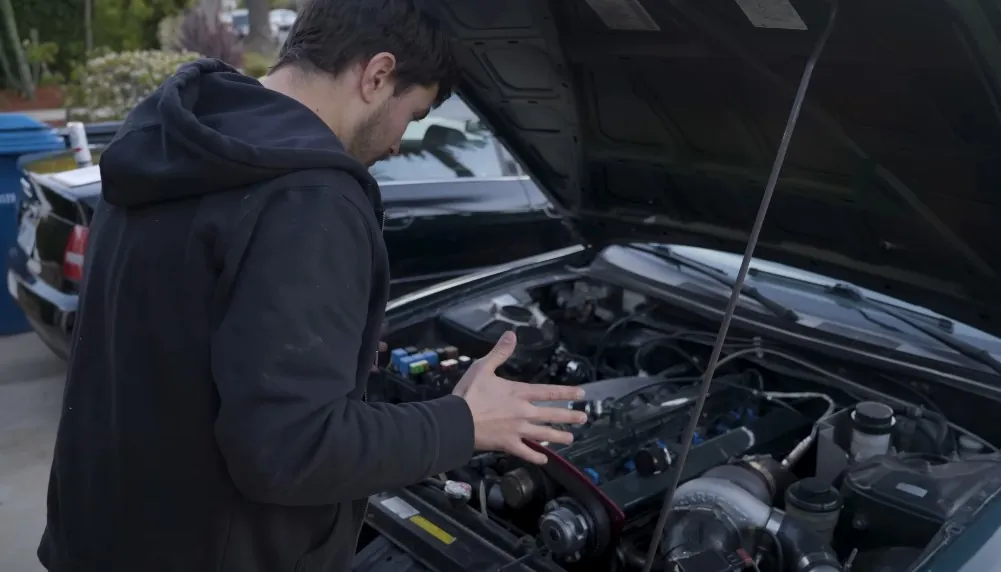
(31, 386)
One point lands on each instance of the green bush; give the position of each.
(117, 25)
(57, 21)
(107, 87)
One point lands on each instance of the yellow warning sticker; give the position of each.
(432, 529)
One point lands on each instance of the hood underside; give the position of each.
(660, 119)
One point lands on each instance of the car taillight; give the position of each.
(76, 247)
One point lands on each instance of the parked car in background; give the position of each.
(281, 22)
(45, 268)
(456, 202)
(238, 20)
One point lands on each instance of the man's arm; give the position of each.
(285, 358)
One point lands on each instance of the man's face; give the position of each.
(378, 135)
(383, 115)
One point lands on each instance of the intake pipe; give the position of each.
(802, 549)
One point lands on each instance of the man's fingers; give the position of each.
(502, 350)
(525, 452)
(534, 392)
(557, 415)
(547, 434)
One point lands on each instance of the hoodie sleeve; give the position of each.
(285, 358)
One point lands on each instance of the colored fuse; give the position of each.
(405, 362)
(465, 362)
(630, 465)
(431, 357)
(449, 366)
(411, 350)
(451, 352)
(418, 367)
(396, 357)
(593, 474)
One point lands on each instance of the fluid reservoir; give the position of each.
(872, 426)
(816, 504)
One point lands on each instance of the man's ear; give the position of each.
(377, 77)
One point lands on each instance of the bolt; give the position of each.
(860, 522)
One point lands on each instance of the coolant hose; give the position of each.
(802, 549)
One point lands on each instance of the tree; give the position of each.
(259, 38)
(10, 29)
(211, 8)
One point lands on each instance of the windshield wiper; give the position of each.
(665, 253)
(942, 333)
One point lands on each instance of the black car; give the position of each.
(455, 203)
(852, 418)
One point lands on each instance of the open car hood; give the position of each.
(660, 119)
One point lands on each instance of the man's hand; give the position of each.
(503, 414)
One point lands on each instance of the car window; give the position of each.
(442, 152)
(411, 168)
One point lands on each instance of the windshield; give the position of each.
(441, 149)
(819, 302)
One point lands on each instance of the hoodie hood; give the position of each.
(210, 128)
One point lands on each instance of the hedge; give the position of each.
(109, 86)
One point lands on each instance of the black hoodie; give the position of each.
(214, 415)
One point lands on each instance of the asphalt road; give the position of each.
(31, 385)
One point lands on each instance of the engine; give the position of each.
(785, 473)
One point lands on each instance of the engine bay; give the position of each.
(795, 465)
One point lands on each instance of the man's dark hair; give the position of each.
(332, 35)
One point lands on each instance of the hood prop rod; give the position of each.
(752, 241)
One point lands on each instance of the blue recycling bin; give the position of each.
(19, 135)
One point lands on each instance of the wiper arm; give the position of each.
(941, 334)
(944, 324)
(750, 292)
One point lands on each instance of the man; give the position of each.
(214, 415)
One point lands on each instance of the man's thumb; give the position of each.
(502, 350)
